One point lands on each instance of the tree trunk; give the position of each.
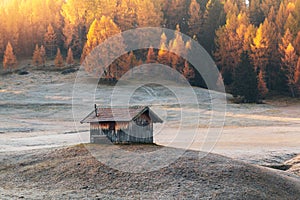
(292, 91)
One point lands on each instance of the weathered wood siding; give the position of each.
(138, 131)
(141, 130)
(100, 129)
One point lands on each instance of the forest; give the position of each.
(255, 43)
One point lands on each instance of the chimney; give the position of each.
(96, 110)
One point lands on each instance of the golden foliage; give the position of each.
(9, 59)
(36, 58)
(59, 61)
(70, 58)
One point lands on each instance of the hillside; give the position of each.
(73, 173)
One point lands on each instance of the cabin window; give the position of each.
(141, 122)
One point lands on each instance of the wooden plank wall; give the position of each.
(138, 131)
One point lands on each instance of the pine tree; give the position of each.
(59, 61)
(195, 18)
(43, 55)
(213, 18)
(9, 59)
(50, 41)
(36, 58)
(245, 81)
(70, 59)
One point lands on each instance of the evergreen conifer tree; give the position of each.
(245, 81)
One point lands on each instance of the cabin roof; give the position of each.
(119, 115)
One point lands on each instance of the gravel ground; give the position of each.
(73, 173)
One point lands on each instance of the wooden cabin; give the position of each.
(122, 125)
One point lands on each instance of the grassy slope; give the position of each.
(73, 172)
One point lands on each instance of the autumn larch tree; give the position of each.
(231, 40)
(148, 14)
(120, 66)
(50, 41)
(195, 19)
(43, 55)
(125, 15)
(260, 47)
(282, 46)
(285, 41)
(297, 73)
(175, 13)
(256, 13)
(70, 58)
(74, 37)
(36, 58)
(131, 62)
(163, 53)
(76, 20)
(99, 31)
(268, 5)
(2, 44)
(9, 59)
(297, 44)
(151, 57)
(177, 49)
(272, 70)
(261, 85)
(281, 18)
(59, 61)
(188, 72)
(231, 8)
(293, 20)
(297, 78)
(245, 81)
(289, 66)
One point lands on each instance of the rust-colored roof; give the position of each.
(119, 115)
